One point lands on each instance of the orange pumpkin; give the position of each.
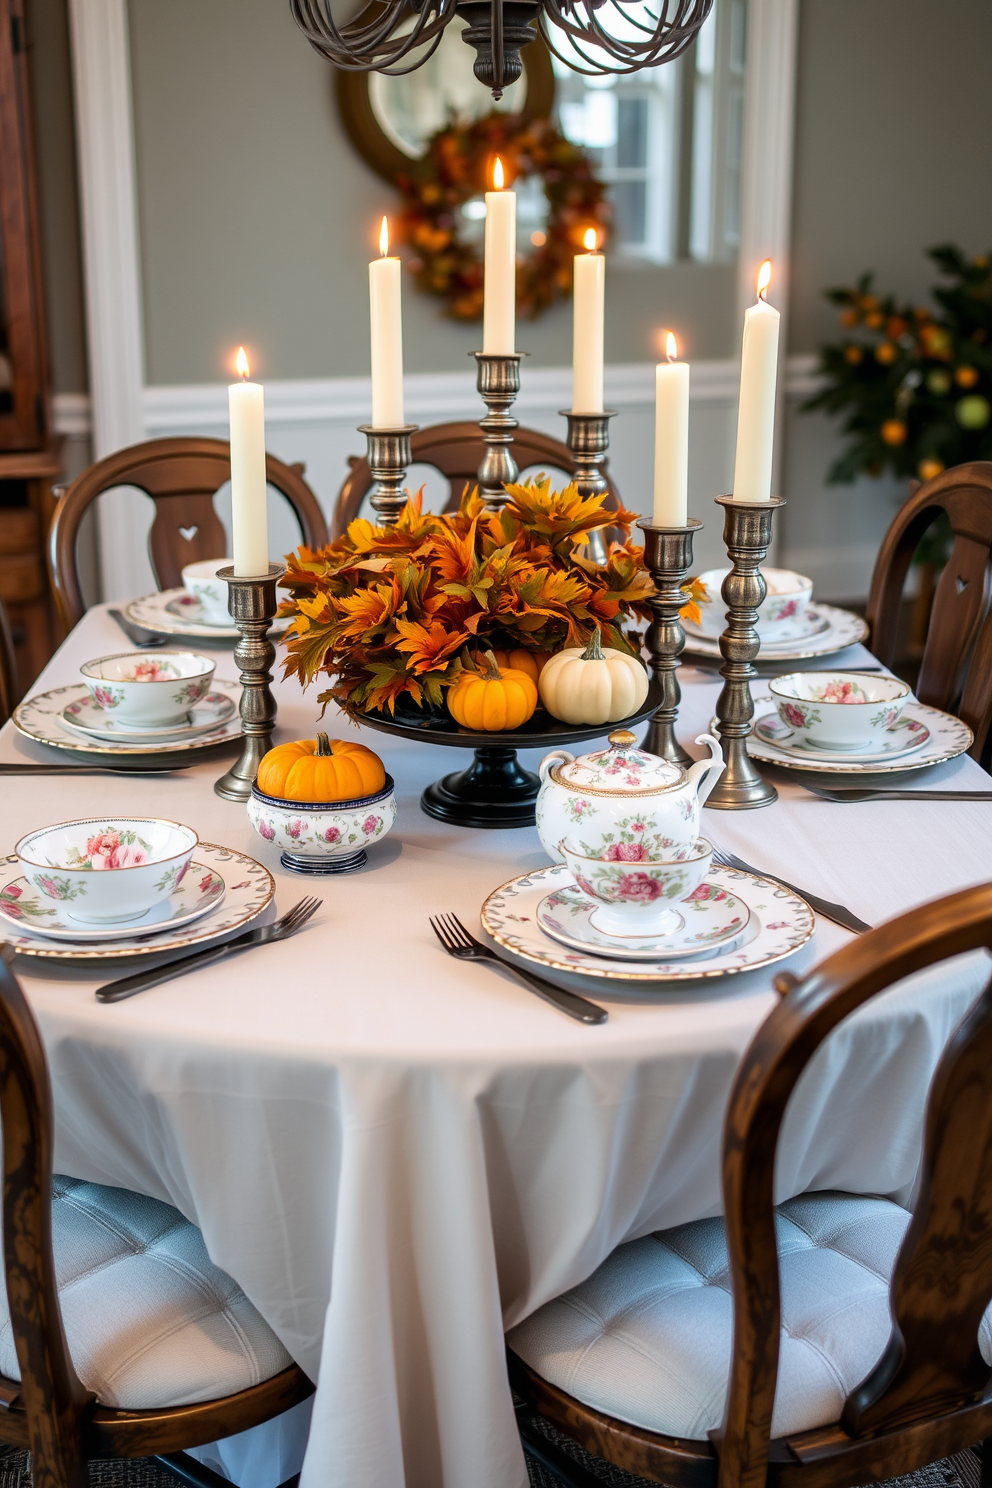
(496, 699)
(521, 660)
(320, 769)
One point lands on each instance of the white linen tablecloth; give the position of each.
(398, 1156)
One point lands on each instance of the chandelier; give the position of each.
(590, 36)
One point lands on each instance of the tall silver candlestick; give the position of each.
(252, 602)
(668, 558)
(389, 458)
(588, 441)
(498, 382)
(747, 531)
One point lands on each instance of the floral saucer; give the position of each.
(198, 892)
(780, 922)
(812, 622)
(176, 612)
(710, 917)
(41, 717)
(249, 888)
(904, 736)
(86, 716)
(948, 737)
(843, 629)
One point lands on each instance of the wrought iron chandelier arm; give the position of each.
(370, 40)
(673, 29)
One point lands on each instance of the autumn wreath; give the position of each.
(396, 613)
(457, 166)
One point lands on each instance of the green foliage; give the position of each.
(914, 385)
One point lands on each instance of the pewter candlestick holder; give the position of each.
(389, 458)
(252, 602)
(668, 558)
(747, 531)
(588, 441)
(498, 382)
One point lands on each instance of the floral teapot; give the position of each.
(623, 803)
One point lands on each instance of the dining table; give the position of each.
(397, 1155)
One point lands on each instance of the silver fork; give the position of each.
(824, 907)
(464, 947)
(294, 919)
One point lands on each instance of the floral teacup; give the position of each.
(323, 836)
(140, 690)
(107, 868)
(839, 710)
(788, 595)
(636, 894)
(210, 592)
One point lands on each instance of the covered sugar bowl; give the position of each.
(623, 802)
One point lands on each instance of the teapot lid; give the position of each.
(621, 770)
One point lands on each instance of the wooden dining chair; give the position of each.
(456, 450)
(831, 1340)
(9, 690)
(181, 476)
(118, 1335)
(956, 671)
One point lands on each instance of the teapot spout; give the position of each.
(705, 773)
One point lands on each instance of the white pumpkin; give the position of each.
(595, 685)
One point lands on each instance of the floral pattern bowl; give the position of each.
(107, 869)
(839, 710)
(139, 690)
(323, 836)
(788, 595)
(210, 592)
(636, 894)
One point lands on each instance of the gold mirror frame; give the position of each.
(378, 150)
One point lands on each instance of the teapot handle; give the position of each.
(557, 756)
(705, 773)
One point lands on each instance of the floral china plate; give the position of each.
(710, 917)
(780, 922)
(88, 718)
(786, 632)
(843, 629)
(41, 718)
(199, 891)
(904, 736)
(248, 889)
(948, 737)
(176, 612)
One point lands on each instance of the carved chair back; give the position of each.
(181, 476)
(456, 451)
(956, 672)
(9, 691)
(924, 1398)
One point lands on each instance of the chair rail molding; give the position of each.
(112, 270)
(124, 411)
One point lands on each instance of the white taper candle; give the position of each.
(250, 538)
(386, 311)
(588, 296)
(499, 305)
(671, 440)
(756, 414)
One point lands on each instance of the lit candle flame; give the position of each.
(498, 175)
(384, 237)
(591, 239)
(241, 362)
(764, 278)
(671, 347)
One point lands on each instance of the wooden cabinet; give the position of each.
(28, 455)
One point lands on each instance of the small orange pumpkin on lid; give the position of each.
(320, 769)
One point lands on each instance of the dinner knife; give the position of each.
(836, 912)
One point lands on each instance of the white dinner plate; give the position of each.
(710, 917)
(949, 737)
(175, 612)
(249, 889)
(843, 629)
(813, 622)
(904, 736)
(86, 717)
(40, 718)
(199, 891)
(782, 923)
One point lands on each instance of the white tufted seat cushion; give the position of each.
(149, 1319)
(647, 1338)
